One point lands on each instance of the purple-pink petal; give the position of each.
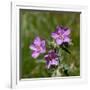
(59, 41)
(58, 29)
(37, 41)
(43, 51)
(54, 62)
(43, 43)
(67, 32)
(32, 47)
(43, 46)
(35, 54)
(54, 35)
(67, 39)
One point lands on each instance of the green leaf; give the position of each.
(65, 49)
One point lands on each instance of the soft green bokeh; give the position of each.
(42, 23)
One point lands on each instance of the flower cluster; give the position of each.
(60, 36)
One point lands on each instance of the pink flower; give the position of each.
(37, 47)
(61, 35)
(51, 59)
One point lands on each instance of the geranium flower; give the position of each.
(37, 47)
(51, 59)
(61, 35)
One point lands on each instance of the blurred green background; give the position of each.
(42, 23)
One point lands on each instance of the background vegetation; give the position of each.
(42, 23)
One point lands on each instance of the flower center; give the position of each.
(61, 36)
(38, 47)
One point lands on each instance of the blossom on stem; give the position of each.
(51, 59)
(37, 47)
(61, 35)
